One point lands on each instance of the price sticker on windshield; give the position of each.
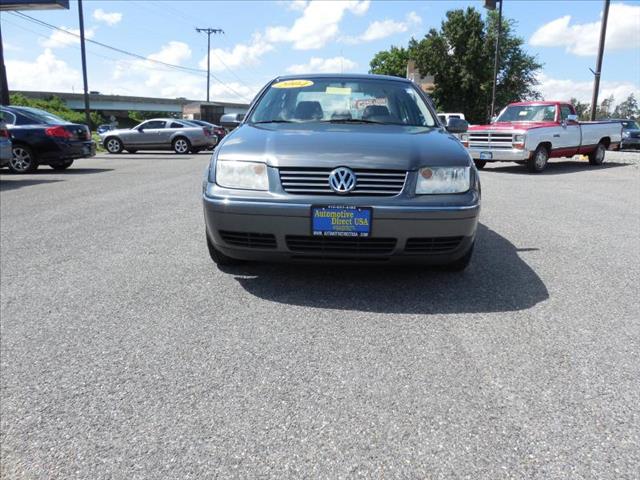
(292, 84)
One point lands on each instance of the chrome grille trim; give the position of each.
(491, 140)
(301, 181)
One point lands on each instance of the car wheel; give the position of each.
(23, 160)
(480, 164)
(63, 165)
(218, 257)
(181, 145)
(538, 160)
(113, 145)
(597, 156)
(461, 263)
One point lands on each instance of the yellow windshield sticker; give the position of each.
(293, 84)
(338, 90)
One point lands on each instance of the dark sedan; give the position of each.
(40, 138)
(630, 134)
(217, 130)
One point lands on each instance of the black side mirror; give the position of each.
(457, 125)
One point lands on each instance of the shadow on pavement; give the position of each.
(497, 280)
(553, 168)
(16, 182)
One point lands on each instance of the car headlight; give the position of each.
(626, 134)
(443, 180)
(519, 138)
(242, 175)
(464, 137)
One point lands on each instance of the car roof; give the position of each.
(345, 76)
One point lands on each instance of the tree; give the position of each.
(583, 110)
(627, 109)
(460, 56)
(605, 109)
(56, 106)
(391, 62)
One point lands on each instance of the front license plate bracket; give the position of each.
(341, 221)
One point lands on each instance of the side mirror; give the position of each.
(493, 119)
(457, 125)
(572, 118)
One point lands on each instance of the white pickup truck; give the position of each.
(532, 132)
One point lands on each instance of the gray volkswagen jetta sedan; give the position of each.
(342, 168)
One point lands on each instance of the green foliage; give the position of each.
(390, 62)
(56, 106)
(627, 109)
(583, 110)
(461, 57)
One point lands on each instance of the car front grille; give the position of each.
(351, 246)
(315, 181)
(432, 245)
(248, 240)
(490, 140)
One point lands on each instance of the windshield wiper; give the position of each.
(352, 120)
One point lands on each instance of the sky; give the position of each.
(264, 39)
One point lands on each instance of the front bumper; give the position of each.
(500, 155)
(283, 220)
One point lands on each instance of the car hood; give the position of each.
(355, 146)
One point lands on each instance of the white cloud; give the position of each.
(324, 65)
(565, 89)
(318, 24)
(46, 73)
(173, 52)
(623, 31)
(240, 55)
(109, 18)
(60, 39)
(385, 28)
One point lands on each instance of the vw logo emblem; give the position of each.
(342, 180)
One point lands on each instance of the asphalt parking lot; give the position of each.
(126, 354)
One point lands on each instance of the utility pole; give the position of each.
(87, 113)
(209, 31)
(4, 86)
(496, 61)
(596, 82)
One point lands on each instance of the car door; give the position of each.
(147, 134)
(170, 130)
(568, 139)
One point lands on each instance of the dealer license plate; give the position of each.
(486, 155)
(341, 221)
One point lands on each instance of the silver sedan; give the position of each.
(160, 134)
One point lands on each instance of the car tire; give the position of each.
(63, 165)
(597, 156)
(480, 164)
(113, 145)
(461, 263)
(23, 160)
(181, 145)
(539, 159)
(218, 257)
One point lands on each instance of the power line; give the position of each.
(209, 32)
(131, 54)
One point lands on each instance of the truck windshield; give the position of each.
(528, 113)
(340, 100)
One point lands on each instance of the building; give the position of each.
(116, 108)
(426, 83)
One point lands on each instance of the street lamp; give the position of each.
(491, 5)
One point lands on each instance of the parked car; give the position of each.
(41, 138)
(342, 168)
(5, 146)
(533, 132)
(104, 128)
(444, 117)
(159, 134)
(219, 131)
(630, 134)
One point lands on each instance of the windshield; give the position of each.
(343, 100)
(528, 113)
(630, 125)
(41, 116)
